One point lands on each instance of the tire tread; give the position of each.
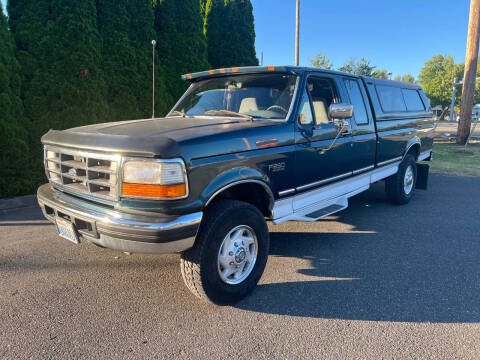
(191, 260)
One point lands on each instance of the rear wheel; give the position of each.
(229, 255)
(400, 187)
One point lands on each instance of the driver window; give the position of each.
(323, 93)
(305, 115)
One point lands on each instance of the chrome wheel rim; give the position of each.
(408, 180)
(237, 255)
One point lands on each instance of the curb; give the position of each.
(18, 202)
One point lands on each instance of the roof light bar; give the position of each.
(243, 69)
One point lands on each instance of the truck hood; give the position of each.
(159, 137)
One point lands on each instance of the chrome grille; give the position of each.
(83, 172)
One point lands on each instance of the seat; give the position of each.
(248, 105)
(321, 112)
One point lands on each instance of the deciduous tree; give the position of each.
(436, 78)
(407, 78)
(381, 74)
(321, 61)
(362, 67)
(348, 67)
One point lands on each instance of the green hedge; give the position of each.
(69, 63)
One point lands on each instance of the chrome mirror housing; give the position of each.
(340, 111)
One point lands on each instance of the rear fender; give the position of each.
(415, 141)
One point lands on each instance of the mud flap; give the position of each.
(422, 176)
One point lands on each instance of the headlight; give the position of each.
(163, 179)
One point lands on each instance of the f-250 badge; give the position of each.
(276, 167)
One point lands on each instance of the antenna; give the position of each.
(153, 78)
(297, 33)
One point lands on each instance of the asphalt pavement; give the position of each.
(373, 281)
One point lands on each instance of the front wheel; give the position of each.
(400, 187)
(229, 255)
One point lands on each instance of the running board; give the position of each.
(317, 203)
(317, 211)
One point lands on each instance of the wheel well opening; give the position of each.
(252, 193)
(414, 150)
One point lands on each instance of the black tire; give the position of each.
(199, 264)
(394, 185)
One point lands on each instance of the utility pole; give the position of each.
(153, 78)
(261, 58)
(471, 58)
(297, 34)
(454, 93)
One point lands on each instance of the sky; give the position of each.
(396, 35)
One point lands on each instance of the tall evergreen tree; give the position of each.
(13, 135)
(242, 24)
(127, 28)
(230, 32)
(142, 31)
(181, 42)
(60, 54)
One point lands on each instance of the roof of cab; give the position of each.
(293, 70)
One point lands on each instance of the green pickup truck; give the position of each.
(241, 147)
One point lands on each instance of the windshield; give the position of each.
(252, 96)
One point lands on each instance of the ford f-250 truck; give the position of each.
(241, 147)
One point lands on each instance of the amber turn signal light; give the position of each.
(154, 191)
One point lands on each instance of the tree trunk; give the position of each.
(470, 75)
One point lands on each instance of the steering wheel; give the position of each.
(277, 107)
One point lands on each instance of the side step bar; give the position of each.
(318, 203)
(317, 211)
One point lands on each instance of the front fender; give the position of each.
(233, 177)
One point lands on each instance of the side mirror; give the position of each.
(340, 111)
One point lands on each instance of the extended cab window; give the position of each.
(322, 92)
(391, 98)
(413, 100)
(356, 98)
(257, 95)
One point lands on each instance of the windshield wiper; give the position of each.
(177, 113)
(229, 112)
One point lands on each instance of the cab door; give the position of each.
(363, 137)
(323, 151)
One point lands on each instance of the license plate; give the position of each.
(67, 230)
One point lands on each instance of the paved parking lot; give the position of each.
(374, 281)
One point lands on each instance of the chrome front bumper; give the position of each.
(117, 230)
